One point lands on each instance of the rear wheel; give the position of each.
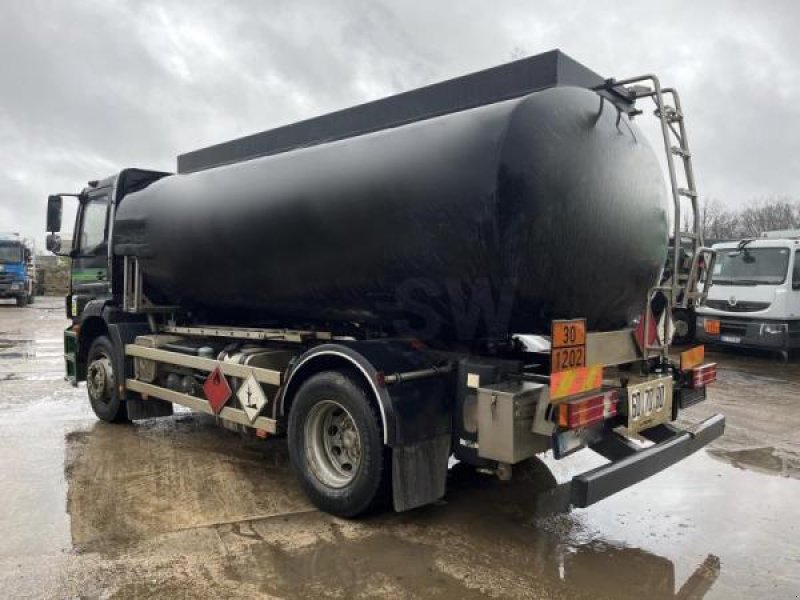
(101, 383)
(336, 445)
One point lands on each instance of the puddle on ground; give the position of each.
(16, 349)
(764, 460)
(129, 482)
(464, 549)
(132, 485)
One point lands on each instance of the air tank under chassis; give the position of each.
(488, 221)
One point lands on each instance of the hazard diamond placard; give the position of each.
(217, 390)
(251, 397)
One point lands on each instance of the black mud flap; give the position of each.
(630, 465)
(419, 472)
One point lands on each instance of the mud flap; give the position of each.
(419, 472)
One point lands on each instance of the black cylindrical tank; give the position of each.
(488, 221)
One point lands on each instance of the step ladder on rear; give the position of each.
(691, 261)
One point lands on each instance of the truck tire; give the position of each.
(22, 301)
(101, 384)
(684, 323)
(336, 445)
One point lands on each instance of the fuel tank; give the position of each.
(479, 223)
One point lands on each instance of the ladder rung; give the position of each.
(677, 151)
(687, 193)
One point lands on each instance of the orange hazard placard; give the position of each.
(693, 358)
(575, 381)
(568, 345)
(569, 333)
(562, 359)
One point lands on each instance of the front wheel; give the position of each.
(101, 382)
(22, 300)
(336, 445)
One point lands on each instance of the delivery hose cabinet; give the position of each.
(460, 271)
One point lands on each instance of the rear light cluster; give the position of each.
(702, 376)
(582, 412)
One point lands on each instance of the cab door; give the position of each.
(90, 273)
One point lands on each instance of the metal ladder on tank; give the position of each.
(681, 290)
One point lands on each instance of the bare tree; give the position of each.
(717, 222)
(769, 215)
(766, 214)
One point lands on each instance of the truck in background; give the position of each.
(17, 269)
(754, 300)
(461, 271)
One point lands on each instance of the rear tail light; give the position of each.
(582, 412)
(702, 376)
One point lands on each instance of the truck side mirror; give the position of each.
(55, 206)
(53, 243)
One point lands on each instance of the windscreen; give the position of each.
(751, 266)
(10, 253)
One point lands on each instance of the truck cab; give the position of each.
(754, 300)
(92, 268)
(16, 269)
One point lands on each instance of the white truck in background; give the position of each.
(754, 300)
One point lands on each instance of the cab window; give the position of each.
(93, 233)
(796, 270)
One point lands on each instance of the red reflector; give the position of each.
(652, 330)
(582, 412)
(702, 376)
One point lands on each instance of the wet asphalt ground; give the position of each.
(181, 508)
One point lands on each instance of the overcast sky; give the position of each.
(90, 87)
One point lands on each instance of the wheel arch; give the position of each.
(92, 327)
(330, 357)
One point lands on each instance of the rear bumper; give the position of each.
(630, 466)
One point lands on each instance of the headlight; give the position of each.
(774, 328)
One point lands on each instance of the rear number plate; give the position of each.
(731, 339)
(649, 404)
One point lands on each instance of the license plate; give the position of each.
(711, 327)
(649, 404)
(731, 339)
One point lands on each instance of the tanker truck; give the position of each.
(460, 272)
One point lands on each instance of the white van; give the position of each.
(754, 299)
